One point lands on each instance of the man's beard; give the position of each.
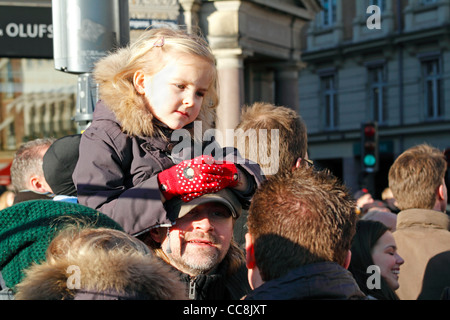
(194, 260)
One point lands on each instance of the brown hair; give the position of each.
(415, 176)
(293, 140)
(298, 218)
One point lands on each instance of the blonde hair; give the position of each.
(114, 74)
(72, 242)
(108, 259)
(415, 176)
(293, 139)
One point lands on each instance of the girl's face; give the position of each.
(384, 255)
(175, 94)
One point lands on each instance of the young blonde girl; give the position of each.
(127, 165)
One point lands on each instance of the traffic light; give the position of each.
(369, 147)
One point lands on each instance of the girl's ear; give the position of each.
(139, 81)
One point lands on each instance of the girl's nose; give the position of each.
(188, 100)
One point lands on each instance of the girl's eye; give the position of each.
(200, 94)
(180, 86)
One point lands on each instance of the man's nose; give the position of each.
(202, 222)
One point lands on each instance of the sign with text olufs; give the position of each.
(26, 32)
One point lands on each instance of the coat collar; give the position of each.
(323, 280)
(423, 217)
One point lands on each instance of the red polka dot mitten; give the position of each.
(193, 178)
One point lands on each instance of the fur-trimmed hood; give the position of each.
(129, 107)
(103, 277)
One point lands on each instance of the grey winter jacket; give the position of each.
(116, 172)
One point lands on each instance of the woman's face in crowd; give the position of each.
(384, 255)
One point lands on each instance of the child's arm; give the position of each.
(101, 183)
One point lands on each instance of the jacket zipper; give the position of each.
(192, 289)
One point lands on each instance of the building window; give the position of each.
(31, 108)
(329, 13)
(377, 93)
(432, 86)
(329, 98)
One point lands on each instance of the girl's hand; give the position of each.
(193, 178)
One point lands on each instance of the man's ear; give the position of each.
(441, 192)
(253, 274)
(250, 252)
(139, 81)
(297, 164)
(348, 258)
(36, 184)
(157, 234)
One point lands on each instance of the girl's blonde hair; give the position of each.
(114, 74)
(108, 260)
(75, 241)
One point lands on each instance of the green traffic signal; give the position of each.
(369, 160)
(369, 147)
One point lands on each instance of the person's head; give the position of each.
(78, 240)
(300, 218)
(262, 123)
(417, 179)
(377, 205)
(389, 199)
(59, 163)
(386, 217)
(26, 167)
(166, 74)
(201, 237)
(374, 245)
(386, 194)
(7, 199)
(27, 228)
(363, 197)
(133, 271)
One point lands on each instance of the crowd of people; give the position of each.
(121, 212)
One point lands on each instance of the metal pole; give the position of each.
(83, 32)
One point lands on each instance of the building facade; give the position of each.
(389, 64)
(257, 45)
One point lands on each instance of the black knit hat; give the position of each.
(59, 163)
(27, 228)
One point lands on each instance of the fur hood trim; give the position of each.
(130, 108)
(145, 277)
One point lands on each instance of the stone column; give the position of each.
(190, 13)
(286, 93)
(231, 89)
